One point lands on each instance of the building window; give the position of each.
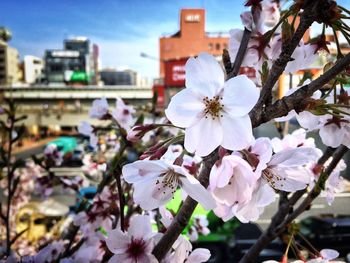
(211, 46)
(217, 46)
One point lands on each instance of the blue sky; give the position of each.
(122, 29)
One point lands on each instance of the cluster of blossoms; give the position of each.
(333, 126)
(121, 114)
(265, 44)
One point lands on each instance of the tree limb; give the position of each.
(296, 100)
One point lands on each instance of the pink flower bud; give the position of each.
(138, 131)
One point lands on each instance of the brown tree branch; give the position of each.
(296, 100)
(315, 192)
(240, 54)
(288, 47)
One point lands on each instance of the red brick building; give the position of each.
(190, 40)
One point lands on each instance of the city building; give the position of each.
(190, 40)
(9, 60)
(75, 64)
(33, 69)
(119, 77)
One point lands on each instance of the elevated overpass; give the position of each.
(68, 105)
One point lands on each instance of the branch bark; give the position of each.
(240, 54)
(296, 100)
(288, 47)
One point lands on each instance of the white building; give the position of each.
(33, 68)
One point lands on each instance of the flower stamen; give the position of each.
(170, 180)
(213, 107)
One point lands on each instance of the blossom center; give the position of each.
(136, 248)
(213, 107)
(170, 180)
(272, 177)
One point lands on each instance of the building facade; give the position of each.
(9, 59)
(191, 39)
(73, 64)
(33, 68)
(119, 77)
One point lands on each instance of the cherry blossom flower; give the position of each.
(270, 14)
(329, 254)
(287, 169)
(258, 155)
(335, 131)
(123, 114)
(183, 252)
(135, 245)
(290, 141)
(53, 155)
(200, 226)
(99, 108)
(156, 181)
(211, 110)
(86, 129)
(257, 51)
(335, 182)
(265, 173)
(305, 118)
(49, 253)
(303, 56)
(231, 183)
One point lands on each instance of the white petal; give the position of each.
(238, 133)
(197, 192)
(240, 95)
(140, 227)
(223, 211)
(288, 117)
(331, 135)
(308, 120)
(203, 137)
(204, 75)
(199, 255)
(143, 170)
(263, 148)
(239, 189)
(277, 144)
(293, 178)
(329, 254)
(143, 195)
(117, 241)
(294, 157)
(121, 258)
(85, 128)
(185, 108)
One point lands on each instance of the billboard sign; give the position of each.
(175, 73)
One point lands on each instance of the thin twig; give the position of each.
(240, 53)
